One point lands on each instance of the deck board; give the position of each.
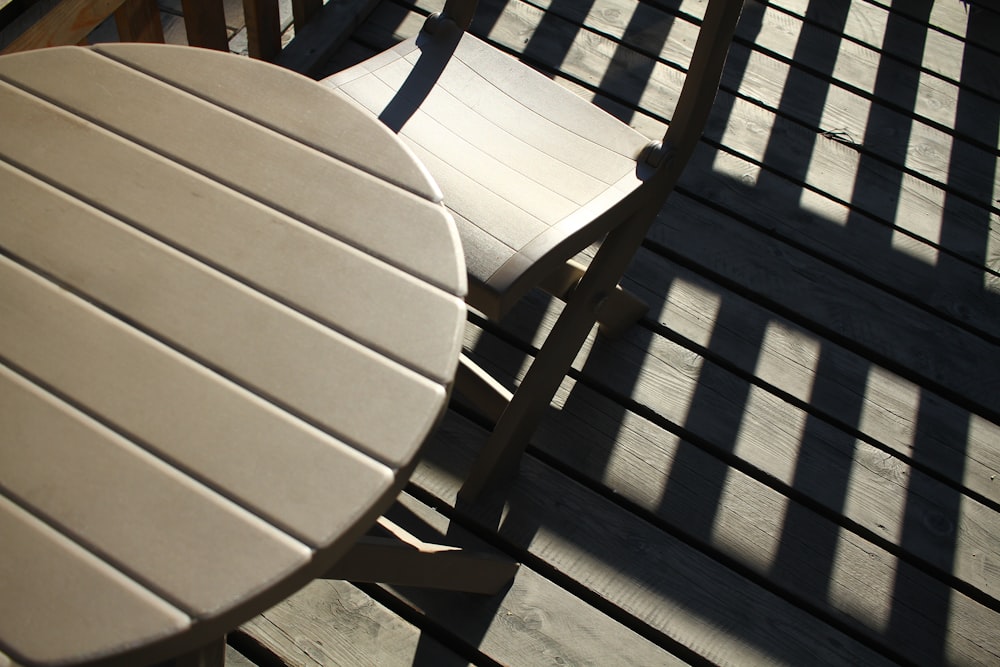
(793, 458)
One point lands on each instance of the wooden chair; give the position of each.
(533, 175)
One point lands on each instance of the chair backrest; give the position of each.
(669, 155)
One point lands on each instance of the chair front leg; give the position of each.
(498, 460)
(480, 390)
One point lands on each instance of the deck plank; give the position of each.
(797, 453)
(664, 583)
(335, 623)
(796, 549)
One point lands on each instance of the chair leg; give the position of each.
(479, 389)
(404, 560)
(498, 460)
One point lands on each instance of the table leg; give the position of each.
(210, 655)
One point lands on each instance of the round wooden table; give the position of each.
(230, 314)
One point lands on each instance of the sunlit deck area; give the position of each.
(793, 458)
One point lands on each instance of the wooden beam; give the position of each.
(69, 22)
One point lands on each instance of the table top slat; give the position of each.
(120, 501)
(191, 131)
(98, 608)
(271, 349)
(319, 117)
(184, 412)
(245, 239)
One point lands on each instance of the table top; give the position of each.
(230, 314)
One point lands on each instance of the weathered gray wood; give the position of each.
(942, 52)
(845, 237)
(538, 620)
(918, 214)
(236, 659)
(570, 174)
(808, 557)
(799, 551)
(896, 414)
(981, 480)
(902, 337)
(940, 292)
(781, 441)
(673, 589)
(334, 623)
(925, 282)
(892, 80)
(836, 382)
(854, 67)
(955, 19)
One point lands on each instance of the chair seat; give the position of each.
(529, 169)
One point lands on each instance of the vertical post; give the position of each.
(139, 21)
(263, 28)
(303, 11)
(205, 23)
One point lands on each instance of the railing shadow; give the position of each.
(708, 434)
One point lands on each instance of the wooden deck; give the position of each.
(794, 458)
